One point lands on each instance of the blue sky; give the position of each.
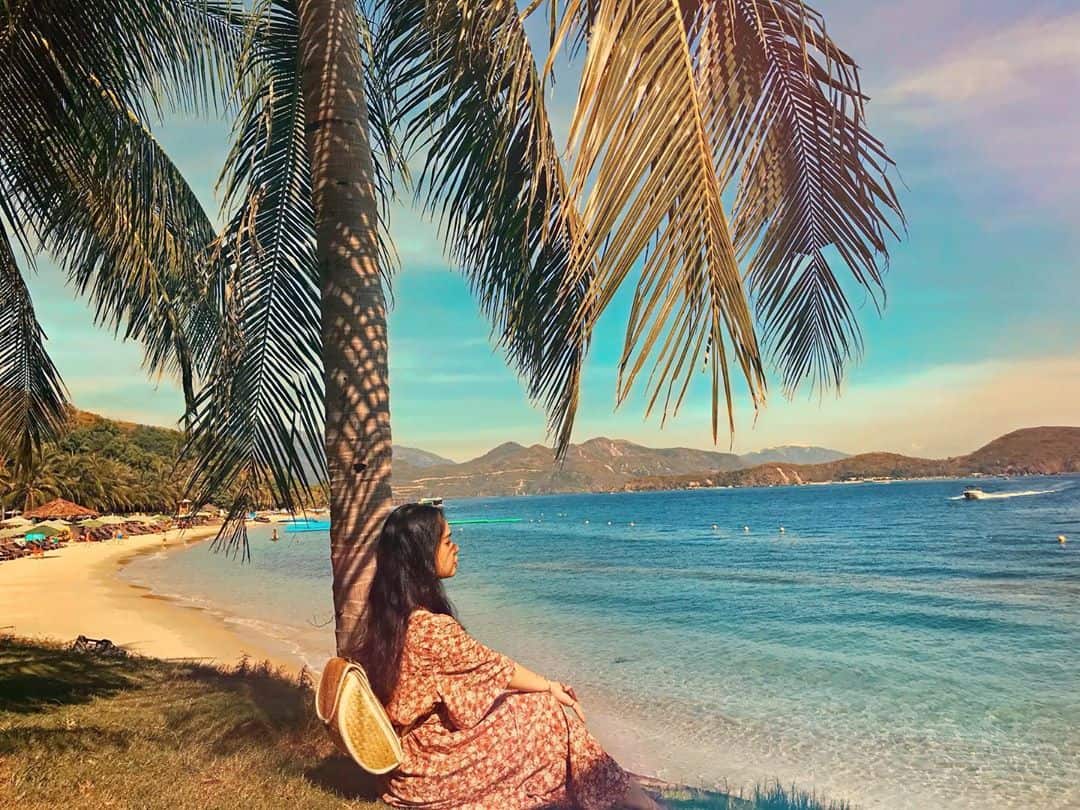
(979, 335)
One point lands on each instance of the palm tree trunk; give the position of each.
(353, 305)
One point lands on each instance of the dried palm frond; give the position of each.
(645, 178)
(812, 184)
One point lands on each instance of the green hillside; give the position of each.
(104, 464)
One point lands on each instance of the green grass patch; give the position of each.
(773, 796)
(84, 731)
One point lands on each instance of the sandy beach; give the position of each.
(76, 591)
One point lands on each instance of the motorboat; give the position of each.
(431, 502)
(974, 494)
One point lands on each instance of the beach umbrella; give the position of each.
(93, 523)
(53, 526)
(60, 510)
(15, 531)
(112, 520)
(143, 519)
(18, 520)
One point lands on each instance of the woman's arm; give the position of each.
(525, 680)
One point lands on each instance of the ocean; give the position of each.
(892, 644)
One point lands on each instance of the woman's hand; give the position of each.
(564, 693)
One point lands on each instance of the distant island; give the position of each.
(1030, 451)
(604, 465)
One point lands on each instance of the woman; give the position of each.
(479, 731)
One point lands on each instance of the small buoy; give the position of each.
(609, 523)
(746, 529)
(715, 526)
(782, 530)
(1061, 539)
(631, 523)
(586, 521)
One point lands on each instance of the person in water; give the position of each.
(479, 731)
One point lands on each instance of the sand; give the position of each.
(76, 591)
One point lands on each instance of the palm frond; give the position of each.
(85, 176)
(472, 100)
(812, 184)
(133, 237)
(387, 153)
(151, 54)
(258, 421)
(645, 178)
(33, 401)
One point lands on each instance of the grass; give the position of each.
(83, 731)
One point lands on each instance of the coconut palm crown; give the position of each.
(719, 162)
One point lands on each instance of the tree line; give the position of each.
(109, 466)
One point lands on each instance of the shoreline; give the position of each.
(78, 590)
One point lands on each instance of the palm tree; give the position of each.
(83, 181)
(719, 161)
(40, 481)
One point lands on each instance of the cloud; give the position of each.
(940, 411)
(1007, 96)
(1030, 59)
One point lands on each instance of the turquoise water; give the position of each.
(894, 645)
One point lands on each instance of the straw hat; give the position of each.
(355, 719)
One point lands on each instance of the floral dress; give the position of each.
(471, 745)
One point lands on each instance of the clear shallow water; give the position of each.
(894, 646)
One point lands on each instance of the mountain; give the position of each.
(599, 464)
(418, 458)
(1038, 451)
(791, 454)
(1030, 451)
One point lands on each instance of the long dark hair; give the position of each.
(405, 579)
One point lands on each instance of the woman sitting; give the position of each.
(478, 730)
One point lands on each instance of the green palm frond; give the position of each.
(259, 424)
(472, 100)
(133, 237)
(151, 54)
(84, 179)
(258, 419)
(812, 190)
(645, 180)
(389, 160)
(33, 402)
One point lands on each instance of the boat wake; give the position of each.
(997, 496)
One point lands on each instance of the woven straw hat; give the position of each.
(356, 720)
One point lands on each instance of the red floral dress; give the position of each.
(476, 746)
